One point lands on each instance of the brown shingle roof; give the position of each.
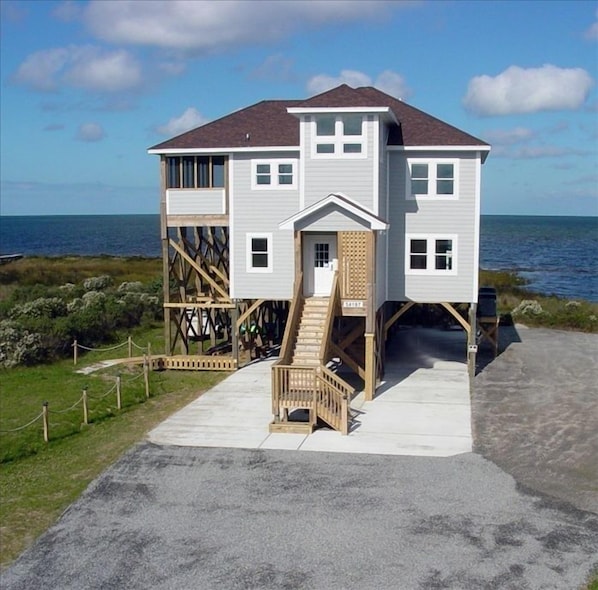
(268, 123)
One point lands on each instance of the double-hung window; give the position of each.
(436, 179)
(431, 254)
(259, 252)
(339, 136)
(274, 174)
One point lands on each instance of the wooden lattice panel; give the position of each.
(353, 264)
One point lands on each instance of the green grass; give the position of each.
(53, 271)
(41, 480)
(592, 583)
(557, 312)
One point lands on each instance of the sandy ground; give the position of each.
(535, 412)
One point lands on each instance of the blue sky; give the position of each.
(87, 87)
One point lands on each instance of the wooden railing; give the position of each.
(290, 333)
(312, 388)
(193, 363)
(333, 302)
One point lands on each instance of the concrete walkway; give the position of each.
(422, 408)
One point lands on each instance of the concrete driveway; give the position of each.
(422, 408)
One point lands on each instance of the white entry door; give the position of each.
(319, 263)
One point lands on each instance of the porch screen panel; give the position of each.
(353, 264)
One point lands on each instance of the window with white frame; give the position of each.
(428, 178)
(339, 136)
(274, 174)
(259, 252)
(431, 254)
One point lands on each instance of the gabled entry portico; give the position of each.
(335, 258)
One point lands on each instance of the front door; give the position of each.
(319, 263)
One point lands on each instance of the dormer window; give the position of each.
(339, 136)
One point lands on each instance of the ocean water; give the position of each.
(557, 255)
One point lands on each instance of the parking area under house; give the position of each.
(422, 407)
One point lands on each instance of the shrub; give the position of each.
(49, 307)
(97, 283)
(18, 346)
(131, 287)
(528, 307)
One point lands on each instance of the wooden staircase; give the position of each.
(300, 379)
(310, 332)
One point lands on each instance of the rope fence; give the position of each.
(129, 343)
(83, 401)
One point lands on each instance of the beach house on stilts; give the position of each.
(316, 224)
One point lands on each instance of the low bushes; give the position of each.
(41, 323)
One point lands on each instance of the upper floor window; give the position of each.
(339, 136)
(432, 178)
(430, 254)
(274, 174)
(195, 172)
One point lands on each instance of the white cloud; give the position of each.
(275, 67)
(93, 69)
(519, 90)
(90, 132)
(205, 25)
(40, 69)
(592, 32)
(508, 136)
(534, 152)
(190, 119)
(54, 127)
(388, 81)
(87, 67)
(323, 82)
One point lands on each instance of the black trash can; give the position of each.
(487, 302)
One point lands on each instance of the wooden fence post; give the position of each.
(149, 349)
(45, 421)
(146, 376)
(118, 397)
(75, 351)
(85, 412)
(130, 345)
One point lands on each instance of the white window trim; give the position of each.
(273, 175)
(432, 168)
(430, 253)
(338, 139)
(249, 266)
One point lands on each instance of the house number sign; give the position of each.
(352, 303)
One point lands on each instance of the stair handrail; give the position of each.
(330, 313)
(290, 332)
(334, 407)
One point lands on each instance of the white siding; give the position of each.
(260, 211)
(438, 217)
(195, 202)
(353, 177)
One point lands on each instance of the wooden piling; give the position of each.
(146, 376)
(118, 394)
(85, 408)
(75, 346)
(45, 421)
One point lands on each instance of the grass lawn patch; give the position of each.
(37, 480)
